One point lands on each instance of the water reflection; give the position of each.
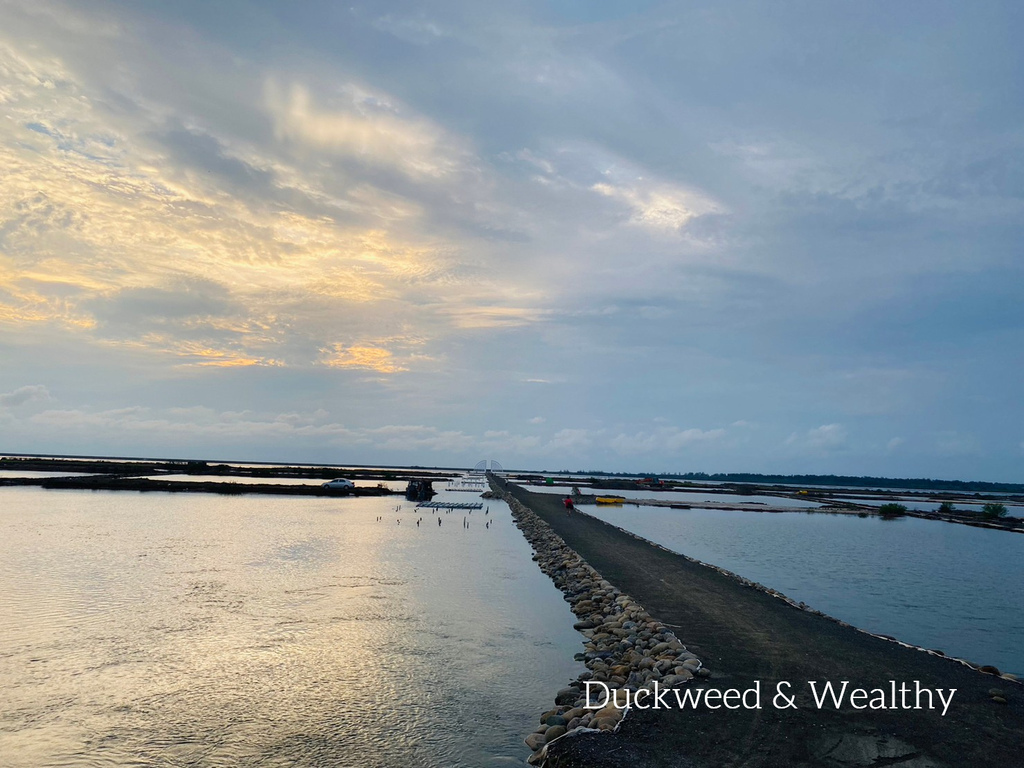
(166, 629)
(686, 497)
(394, 485)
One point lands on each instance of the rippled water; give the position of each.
(199, 630)
(933, 584)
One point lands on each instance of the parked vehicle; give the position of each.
(339, 484)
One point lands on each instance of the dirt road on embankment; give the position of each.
(744, 635)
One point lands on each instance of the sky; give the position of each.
(657, 237)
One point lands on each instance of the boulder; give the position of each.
(554, 732)
(535, 741)
(567, 695)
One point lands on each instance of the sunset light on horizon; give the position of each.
(654, 237)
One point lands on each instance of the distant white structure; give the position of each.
(488, 465)
(474, 483)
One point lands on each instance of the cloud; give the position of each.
(373, 129)
(153, 233)
(504, 443)
(199, 426)
(877, 390)
(417, 30)
(173, 425)
(658, 207)
(570, 441)
(663, 440)
(820, 440)
(142, 307)
(22, 395)
(206, 154)
(195, 211)
(376, 359)
(827, 436)
(466, 316)
(198, 354)
(410, 439)
(953, 444)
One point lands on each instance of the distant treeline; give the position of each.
(862, 481)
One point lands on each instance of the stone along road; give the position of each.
(744, 635)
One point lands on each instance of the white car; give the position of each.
(339, 484)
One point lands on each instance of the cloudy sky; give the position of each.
(718, 236)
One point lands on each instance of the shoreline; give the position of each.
(148, 485)
(134, 467)
(797, 604)
(831, 500)
(1009, 524)
(146, 476)
(124, 474)
(747, 634)
(625, 649)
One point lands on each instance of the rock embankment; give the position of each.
(750, 637)
(625, 649)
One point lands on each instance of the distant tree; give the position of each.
(859, 482)
(892, 510)
(947, 507)
(994, 510)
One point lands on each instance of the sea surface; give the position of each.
(200, 630)
(938, 585)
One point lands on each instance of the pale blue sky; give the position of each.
(718, 236)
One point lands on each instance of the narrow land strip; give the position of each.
(745, 635)
(144, 484)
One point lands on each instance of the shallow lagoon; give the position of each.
(191, 629)
(938, 585)
(683, 497)
(393, 485)
(931, 506)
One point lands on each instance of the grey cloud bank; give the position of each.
(690, 236)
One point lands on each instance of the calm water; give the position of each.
(343, 469)
(242, 479)
(20, 473)
(937, 585)
(395, 485)
(199, 630)
(931, 506)
(685, 497)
